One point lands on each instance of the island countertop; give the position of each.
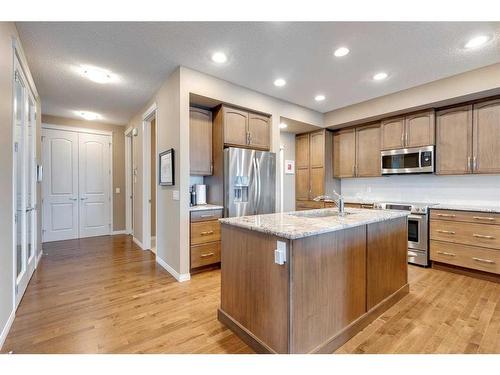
(300, 224)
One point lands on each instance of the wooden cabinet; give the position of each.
(454, 140)
(486, 137)
(312, 175)
(246, 129)
(414, 130)
(356, 152)
(200, 141)
(466, 239)
(468, 139)
(205, 238)
(344, 153)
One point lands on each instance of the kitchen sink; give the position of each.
(320, 213)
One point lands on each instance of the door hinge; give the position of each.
(43, 138)
(17, 289)
(16, 76)
(16, 146)
(15, 218)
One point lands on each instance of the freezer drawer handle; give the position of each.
(483, 260)
(446, 253)
(207, 232)
(206, 255)
(445, 231)
(483, 236)
(484, 218)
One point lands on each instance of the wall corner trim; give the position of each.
(6, 328)
(178, 276)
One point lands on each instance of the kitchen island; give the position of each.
(306, 282)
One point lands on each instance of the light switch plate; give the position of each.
(175, 195)
(117, 190)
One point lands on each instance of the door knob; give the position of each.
(83, 198)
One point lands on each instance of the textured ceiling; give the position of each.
(144, 54)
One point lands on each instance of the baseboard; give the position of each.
(6, 329)
(179, 277)
(115, 232)
(138, 243)
(40, 253)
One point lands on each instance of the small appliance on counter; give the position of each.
(201, 194)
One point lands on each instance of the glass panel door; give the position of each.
(24, 183)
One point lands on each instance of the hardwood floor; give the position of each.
(105, 295)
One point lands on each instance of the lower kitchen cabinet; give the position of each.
(466, 239)
(205, 239)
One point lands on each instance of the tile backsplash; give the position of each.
(468, 189)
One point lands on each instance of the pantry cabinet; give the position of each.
(200, 141)
(415, 130)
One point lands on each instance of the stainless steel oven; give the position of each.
(408, 160)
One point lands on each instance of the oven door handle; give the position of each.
(416, 217)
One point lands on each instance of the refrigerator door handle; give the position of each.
(259, 184)
(256, 184)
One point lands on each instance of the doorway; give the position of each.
(24, 189)
(76, 189)
(130, 180)
(149, 157)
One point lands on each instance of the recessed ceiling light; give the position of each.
(96, 74)
(342, 51)
(477, 41)
(219, 57)
(380, 76)
(283, 125)
(319, 98)
(88, 115)
(280, 82)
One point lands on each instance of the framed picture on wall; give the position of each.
(166, 168)
(289, 166)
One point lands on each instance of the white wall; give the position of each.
(467, 189)
(287, 141)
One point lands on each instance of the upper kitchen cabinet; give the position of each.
(486, 137)
(356, 152)
(246, 129)
(344, 153)
(414, 130)
(393, 132)
(468, 139)
(368, 151)
(200, 141)
(454, 140)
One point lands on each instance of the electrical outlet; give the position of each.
(175, 195)
(280, 253)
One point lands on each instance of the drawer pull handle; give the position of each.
(446, 215)
(207, 233)
(206, 255)
(206, 215)
(483, 260)
(484, 218)
(483, 236)
(446, 253)
(445, 231)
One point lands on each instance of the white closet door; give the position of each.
(94, 182)
(60, 185)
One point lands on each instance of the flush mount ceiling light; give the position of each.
(88, 115)
(96, 74)
(380, 76)
(342, 51)
(219, 57)
(476, 42)
(319, 98)
(283, 125)
(280, 82)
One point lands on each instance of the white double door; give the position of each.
(76, 185)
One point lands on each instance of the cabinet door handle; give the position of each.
(445, 215)
(206, 255)
(206, 215)
(484, 218)
(406, 138)
(446, 253)
(403, 138)
(207, 232)
(73, 199)
(474, 164)
(469, 164)
(483, 236)
(483, 260)
(445, 231)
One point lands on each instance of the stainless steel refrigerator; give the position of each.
(249, 182)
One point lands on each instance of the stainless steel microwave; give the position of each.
(408, 160)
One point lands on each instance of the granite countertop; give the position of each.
(299, 224)
(466, 207)
(203, 207)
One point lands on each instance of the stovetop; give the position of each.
(420, 208)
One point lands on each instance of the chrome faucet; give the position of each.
(339, 201)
